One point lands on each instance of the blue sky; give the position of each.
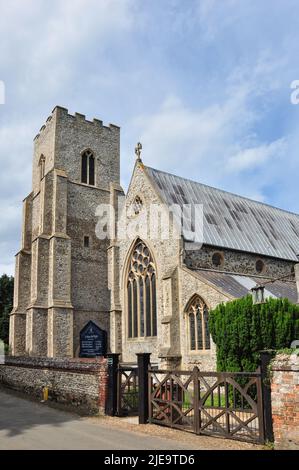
(203, 84)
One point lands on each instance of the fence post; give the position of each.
(111, 401)
(143, 361)
(266, 357)
(197, 411)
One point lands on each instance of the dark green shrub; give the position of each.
(6, 301)
(240, 330)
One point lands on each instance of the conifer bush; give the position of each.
(241, 330)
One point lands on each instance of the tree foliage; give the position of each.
(6, 303)
(240, 330)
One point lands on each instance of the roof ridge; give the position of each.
(224, 191)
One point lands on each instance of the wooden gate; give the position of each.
(221, 404)
(127, 391)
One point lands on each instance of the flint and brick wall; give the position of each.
(80, 383)
(285, 401)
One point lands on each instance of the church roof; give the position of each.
(238, 285)
(231, 221)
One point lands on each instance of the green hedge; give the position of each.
(240, 330)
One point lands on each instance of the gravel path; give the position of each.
(184, 438)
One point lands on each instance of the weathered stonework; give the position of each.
(77, 383)
(165, 254)
(60, 284)
(285, 401)
(190, 284)
(237, 262)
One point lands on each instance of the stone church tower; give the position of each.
(61, 279)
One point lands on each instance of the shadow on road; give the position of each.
(18, 414)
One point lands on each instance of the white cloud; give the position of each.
(63, 25)
(204, 86)
(47, 38)
(8, 269)
(177, 135)
(15, 158)
(218, 144)
(10, 230)
(194, 140)
(252, 158)
(15, 184)
(73, 23)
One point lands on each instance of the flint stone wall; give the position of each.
(80, 383)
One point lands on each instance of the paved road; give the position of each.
(29, 425)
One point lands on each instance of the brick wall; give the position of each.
(285, 401)
(80, 383)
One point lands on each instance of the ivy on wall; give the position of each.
(240, 330)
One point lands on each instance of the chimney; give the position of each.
(296, 267)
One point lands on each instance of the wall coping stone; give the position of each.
(285, 362)
(87, 365)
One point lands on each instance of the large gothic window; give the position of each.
(141, 293)
(87, 168)
(197, 314)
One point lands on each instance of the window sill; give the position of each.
(199, 352)
(141, 339)
(87, 184)
(102, 188)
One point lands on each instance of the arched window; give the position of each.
(197, 314)
(141, 293)
(87, 168)
(42, 164)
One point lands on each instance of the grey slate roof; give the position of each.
(232, 221)
(239, 286)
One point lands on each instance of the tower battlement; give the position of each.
(62, 113)
(64, 137)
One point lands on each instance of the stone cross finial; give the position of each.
(138, 149)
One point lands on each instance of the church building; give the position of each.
(150, 292)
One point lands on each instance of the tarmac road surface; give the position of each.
(28, 425)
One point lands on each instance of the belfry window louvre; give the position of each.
(141, 293)
(199, 335)
(88, 168)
